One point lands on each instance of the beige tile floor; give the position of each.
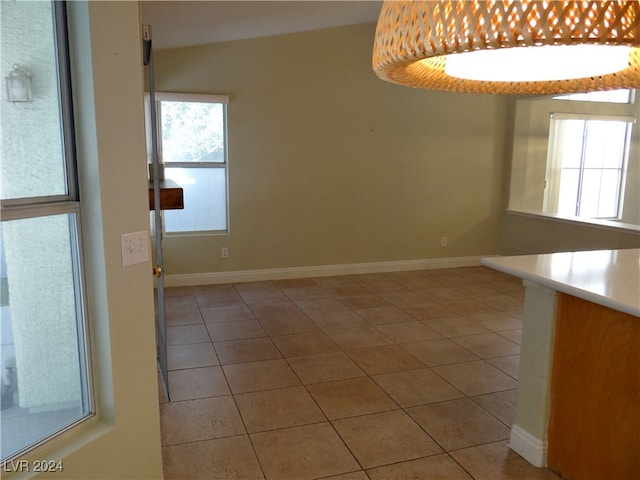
(407, 375)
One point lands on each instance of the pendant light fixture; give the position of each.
(509, 46)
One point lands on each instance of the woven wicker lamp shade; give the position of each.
(414, 39)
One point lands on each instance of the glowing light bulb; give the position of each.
(549, 62)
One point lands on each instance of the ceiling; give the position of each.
(186, 23)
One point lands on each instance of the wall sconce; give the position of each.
(19, 85)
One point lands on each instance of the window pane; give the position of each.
(599, 197)
(568, 195)
(571, 138)
(609, 194)
(605, 144)
(192, 132)
(44, 377)
(612, 96)
(205, 200)
(32, 156)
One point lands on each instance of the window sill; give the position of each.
(602, 224)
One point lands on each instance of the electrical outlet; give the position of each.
(135, 248)
(443, 242)
(224, 252)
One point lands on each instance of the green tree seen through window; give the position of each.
(192, 132)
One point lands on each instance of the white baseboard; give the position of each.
(211, 278)
(532, 449)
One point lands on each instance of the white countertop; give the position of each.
(606, 277)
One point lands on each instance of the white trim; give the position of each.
(532, 449)
(585, 222)
(189, 97)
(190, 279)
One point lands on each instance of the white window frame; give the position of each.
(195, 98)
(57, 205)
(554, 161)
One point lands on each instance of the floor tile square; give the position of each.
(476, 378)
(358, 337)
(418, 283)
(226, 313)
(459, 423)
(288, 324)
(496, 461)
(263, 296)
(185, 334)
(488, 345)
(438, 352)
(178, 292)
(509, 365)
(384, 438)
(440, 467)
(405, 332)
(172, 303)
(306, 343)
(281, 309)
(192, 383)
(256, 376)
(359, 475)
(246, 350)
(500, 404)
(363, 301)
(477, 292)
(305, 452)
(230, 458)
(454, 326)
(234, 330)
(469, 307)
(311, 291)
(346, 398)
(424, 311)
(347, 290)
(324, 367)
(333, 281)
(182, 315)
(383, 314)
(295, 283)
(416, 387)
(401, 298)
(503, 302)
(255, 286)
(514, 335)
(272, 409)
(317, 305)
(384, 285)
(217, 298)
(497, 321)
(365, 278)
(191, 356)
(443, 294)
(213, 289)
(337, 319)
(202, 419)
(384, 359)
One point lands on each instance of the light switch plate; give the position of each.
(135, 248)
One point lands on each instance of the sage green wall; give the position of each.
(524, 235)
(330, 165)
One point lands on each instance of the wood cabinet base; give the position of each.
(594, 427)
